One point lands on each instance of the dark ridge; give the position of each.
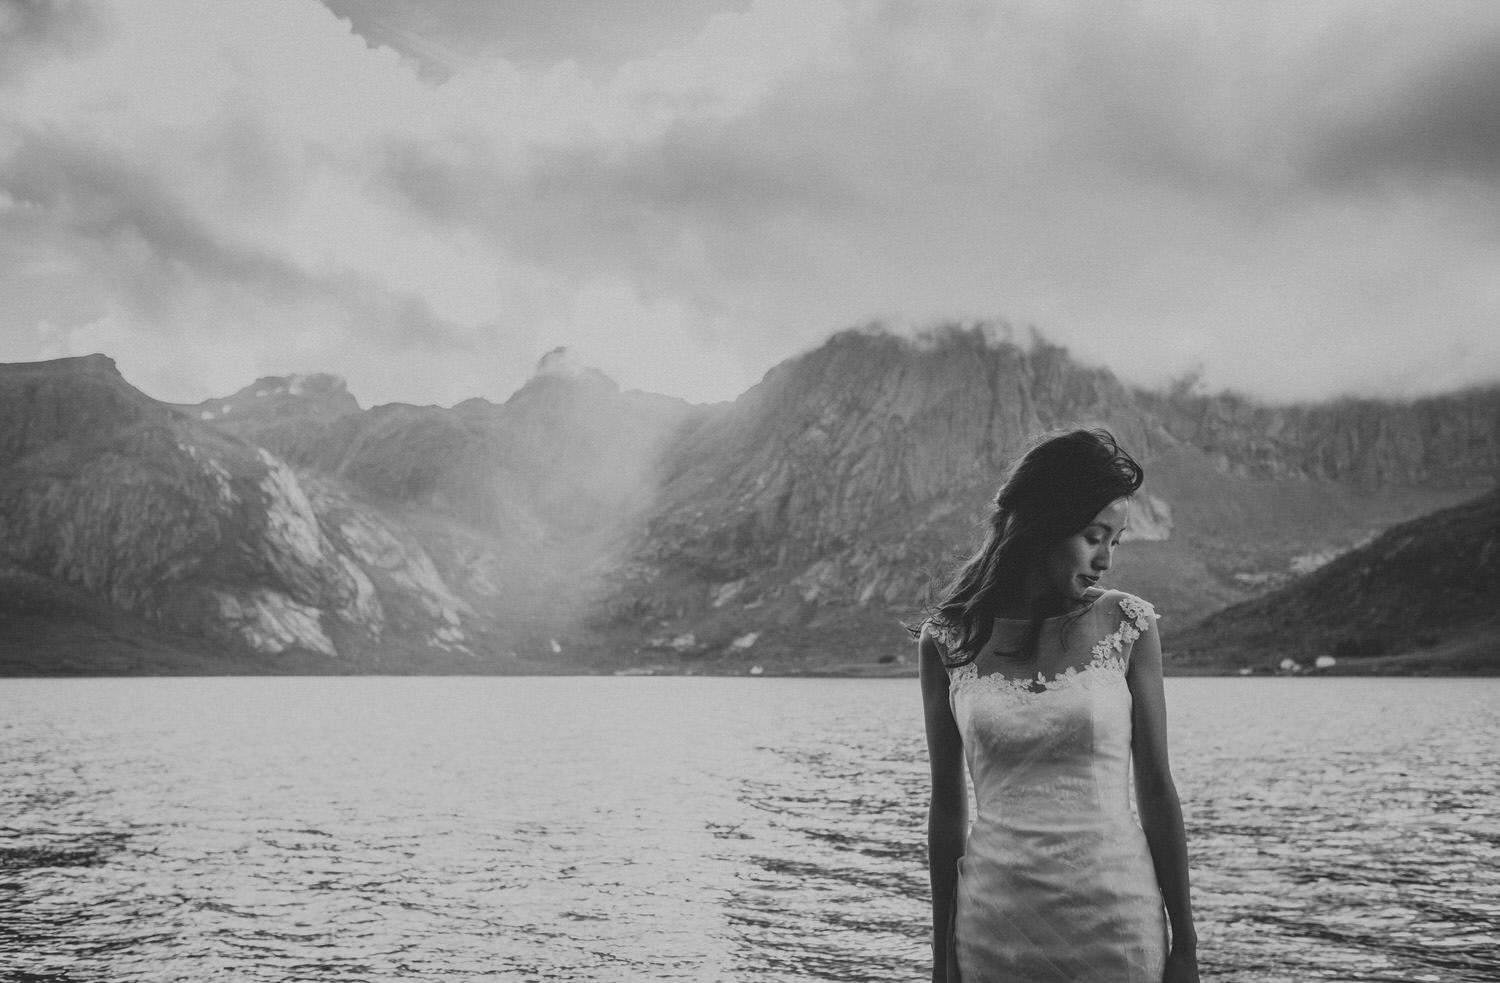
(1425, 585)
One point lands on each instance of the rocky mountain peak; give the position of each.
(561, 374)
(873, 422)
(318, 396)
(79, 398)
(95, 364)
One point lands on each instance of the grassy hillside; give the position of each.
(1422, 596)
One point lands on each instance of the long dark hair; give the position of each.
(1051, 492)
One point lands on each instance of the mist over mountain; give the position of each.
(576, 527)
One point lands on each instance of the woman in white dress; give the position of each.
(1049, 688)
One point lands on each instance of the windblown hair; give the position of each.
(1052, 492)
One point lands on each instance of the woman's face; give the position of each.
(1076, 563)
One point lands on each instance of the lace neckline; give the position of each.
(1040, 684)
(1109, 654)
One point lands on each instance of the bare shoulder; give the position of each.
(932, 667)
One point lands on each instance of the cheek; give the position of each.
(1068, 559)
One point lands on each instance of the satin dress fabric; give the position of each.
(1056, 883)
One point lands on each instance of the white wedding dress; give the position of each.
(1056, 883)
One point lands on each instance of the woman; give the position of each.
(1050, 687)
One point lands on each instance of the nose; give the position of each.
(1102, 556)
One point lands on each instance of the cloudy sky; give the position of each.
(1295, 198)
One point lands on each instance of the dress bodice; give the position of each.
(1056, 883)
(1042, 750)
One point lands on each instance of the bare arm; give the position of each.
(1160, 809)
(948, 809)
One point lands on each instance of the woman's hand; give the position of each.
(1182, 966)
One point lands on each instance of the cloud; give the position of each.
(1422, 105)
(154, 268)
(33, 31)
(175, 223)
(426, 197)
(1152, 198)
(444, 37)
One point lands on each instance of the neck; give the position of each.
(1035, 605)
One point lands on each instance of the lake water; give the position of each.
(607, 829)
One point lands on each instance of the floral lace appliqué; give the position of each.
(945, 634)
(1138, 617)
(1024, 690)
(1108, 655)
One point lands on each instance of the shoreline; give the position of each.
(811, 672)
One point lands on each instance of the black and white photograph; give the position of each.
(749, 491)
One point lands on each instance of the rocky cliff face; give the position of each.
(834, 490)
(1448, 441)
(576, 526)
(104, 491)
(267, 403)
(871, 425)
(820, 508)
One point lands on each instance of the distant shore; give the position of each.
(126, 661)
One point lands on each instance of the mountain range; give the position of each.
(580, 528)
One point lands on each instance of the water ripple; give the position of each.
(657, 829)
